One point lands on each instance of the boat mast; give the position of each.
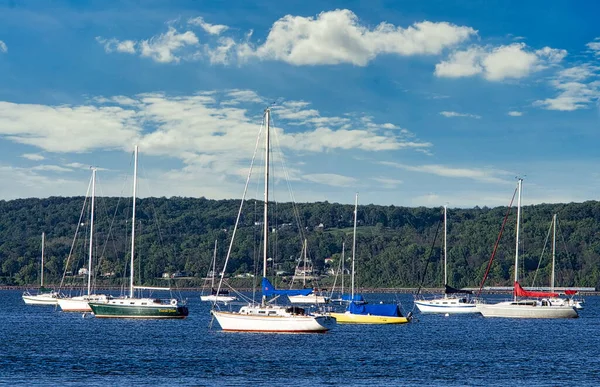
(445, 246)
(520, 187)
(304, 271)
(266, 212)
(553, 252)
(354, 243)
(343, 267)
(89, 285)
(135, 162)
(42, 269)
(214, 267)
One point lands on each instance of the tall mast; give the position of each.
(304, 271)
(343, 268)
(266, 213)
(445, 246)
(42, 268)
(520, 187)
(135, 162)
(553, 252)
(354, 242)
(89, 285)
(214, 267)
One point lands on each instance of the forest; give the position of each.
(175, 237)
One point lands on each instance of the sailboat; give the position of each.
(570, 300)
(81, 303)
(44, 296)
(526, 303)
(454, 300)
(136, 307)
(312, 297)
(360, 312)
(268, 316)
(222, 295)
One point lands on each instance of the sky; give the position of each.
(408, 103)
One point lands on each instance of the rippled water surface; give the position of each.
(43, 346)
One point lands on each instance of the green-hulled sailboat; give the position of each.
(133, 307)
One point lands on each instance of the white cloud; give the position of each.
(331, 179)
(385, 182)
(68, 128)
(163, 48)
(111, 45)
(456, 114)
(51, 168)
(33, 156)
(213, 29)
(211, 133)
(498, 63)
(337, 36)
(482, 175)
(577, 87)
(594, 46)
(514, 113)
(3, 47)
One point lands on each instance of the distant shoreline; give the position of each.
(359, 290)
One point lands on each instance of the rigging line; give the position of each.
(76, 231)
(429, 257)
(487, 270)
(542, 255)
(237, 220)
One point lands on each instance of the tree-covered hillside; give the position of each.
(393, 243)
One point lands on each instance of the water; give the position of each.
(40, 346)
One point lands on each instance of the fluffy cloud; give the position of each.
(3, 47)
(68, 128)
(213, 29)
(515, 113)
(577, 88)
(338, 37)
(594, 46)
(331, 37)
(33, 156)
(163, 48)
(209, 131)
(498, 63)
(456, 114)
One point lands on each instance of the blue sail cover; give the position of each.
(269, 290)
(390, 310)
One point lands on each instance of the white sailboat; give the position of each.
(139, 307)
(266, 316)
(534, 304)
(454, 301)
(221, 295)
(570, 300)
(81, 303)
(44, 296)
(312, 297)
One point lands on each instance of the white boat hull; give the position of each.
(532, 309)
(446, 305)
(309, 299)
(80, 303)
(40, 299)
(277, 323)
(215, 298)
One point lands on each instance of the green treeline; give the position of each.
(177, 235)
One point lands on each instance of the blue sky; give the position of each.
(411, 103)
